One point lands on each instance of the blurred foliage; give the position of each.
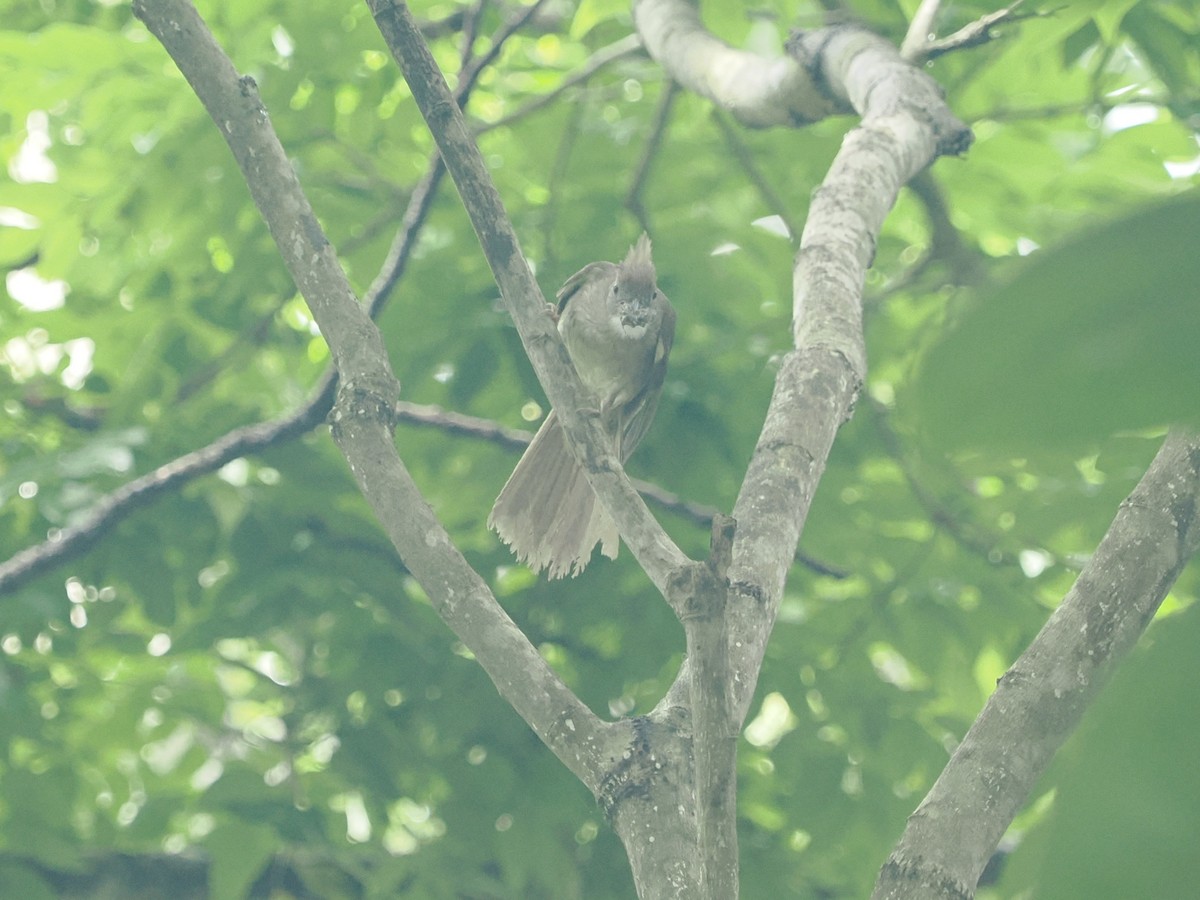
(244, 669)
(1092, 337)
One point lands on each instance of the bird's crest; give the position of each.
(638, 267)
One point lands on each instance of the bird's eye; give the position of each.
(614, 288)
(654, 296)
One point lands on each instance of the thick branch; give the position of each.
(953, 832)
(756, 90)
(704, 594)
(904, 127)
(363, 413)
(645, 537)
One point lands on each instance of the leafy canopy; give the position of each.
(243, 666)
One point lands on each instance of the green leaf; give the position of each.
(19, 880)
(1094, 337)
(240, 851)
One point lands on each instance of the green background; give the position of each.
(242, 669)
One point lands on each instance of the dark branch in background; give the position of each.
(766, 191)
(437, 28)
(69, 542)
(558, 177)
(945, 246)
(470, 31)
(249, 338)
(658, 129)
(81, 418)
(986, 546)
(74, 540)
(946, 241)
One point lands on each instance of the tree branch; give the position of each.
(920, 44)
(770, 197)
(704, 593)
(952, 834)
(905, 126)
(757, 91)
(920, 30)
(70, 542)
(362, 415)
(658, 556)
(654, 142)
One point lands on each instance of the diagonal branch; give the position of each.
(658, 556)
(950, 837)
(362, 415)
(74, 540)
(905, 126)
(767, 194)
(654, 144)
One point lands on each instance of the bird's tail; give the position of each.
(547, 512)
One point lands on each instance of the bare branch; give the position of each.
(514, 439)
(770, 197)
(757, 91)
(67, 543)
(362, 416)
(658, 130)
(705, 588)
(905, 125)
(973, 539)
(952, 834)
(976, 33)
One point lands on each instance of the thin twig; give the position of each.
(626, 46)
(558, 177)
(986, 546)
(977, 32)
(737, 147)
(658, 130)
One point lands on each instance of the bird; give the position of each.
(618, 328)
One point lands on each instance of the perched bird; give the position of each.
(618, 328)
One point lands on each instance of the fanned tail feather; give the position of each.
(547, 512)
